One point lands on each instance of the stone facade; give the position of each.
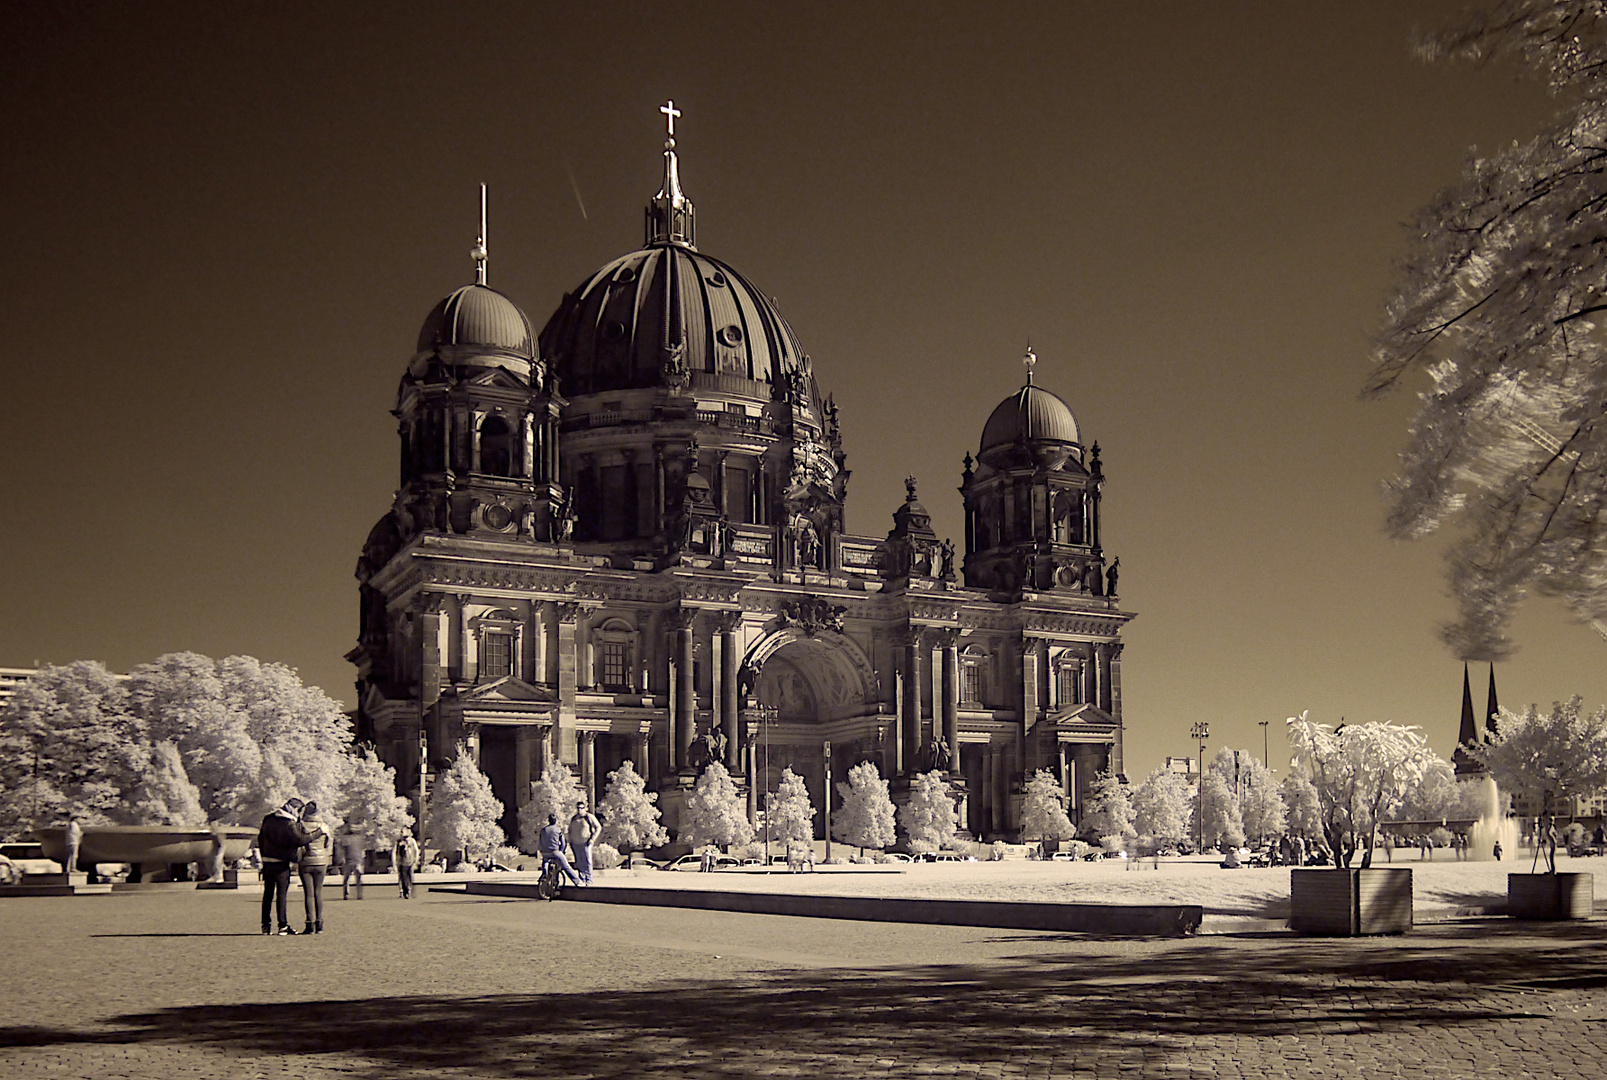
(651, 566)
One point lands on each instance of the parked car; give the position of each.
(29, 859)
(898, 857)
(694, 862)
(1063, 856)
(944, 857)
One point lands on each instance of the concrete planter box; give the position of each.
(1551, 896)
(1348, 903)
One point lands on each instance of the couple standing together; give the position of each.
(583, 829)
(294, 833)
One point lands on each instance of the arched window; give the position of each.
(972, 660)
(497, 634)
(614, 643)
(496, 447)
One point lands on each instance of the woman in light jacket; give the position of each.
(314, 864)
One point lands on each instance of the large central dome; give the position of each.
(661, 305)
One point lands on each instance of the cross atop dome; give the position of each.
(479, 254)
(1029, 361)
(669, 213)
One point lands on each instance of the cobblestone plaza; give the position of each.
(177, 984)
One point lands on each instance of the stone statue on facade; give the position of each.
(947, 566)
(564, 523)
(1110, 576)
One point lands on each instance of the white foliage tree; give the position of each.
(250, 733)
(556, 792)
(866, 818)
(1301, 808)
(1109, 812)
(1161, 806)
(92, 752)
(1361, 773)
(1498, 304)
(1548, 758)
(368, 802)
(165, 795)
(462, 813)
(929, 817)
(629, 812)
(789, 814)
(1221, 823)
(716, 812)
(1043, 810)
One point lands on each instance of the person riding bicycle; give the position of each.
(550, 843)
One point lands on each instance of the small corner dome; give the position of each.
(477, 317)
(1031, 415)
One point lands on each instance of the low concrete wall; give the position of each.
(1551, 896)
(1115, 920)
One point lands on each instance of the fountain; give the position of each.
(151, 845)
(1493, 824)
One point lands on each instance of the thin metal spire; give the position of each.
(479, 254)
(1029, 361)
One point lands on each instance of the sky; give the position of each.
(226, 224)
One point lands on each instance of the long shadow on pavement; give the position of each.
(1085, 1008)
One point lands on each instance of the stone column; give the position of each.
(564, 721)
(948, 642)
(683, 709)
(588, 766)
(750, 767)
(643, 745)
(1102, 658)
(911, 735)
(726, 623)
(456, 632)
(527, 459)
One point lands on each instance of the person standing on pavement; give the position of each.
(314, 864)
(406, 858)
(583, 829)
(280, 840)
(352, 852)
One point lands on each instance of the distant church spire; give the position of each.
(669, 214)
(1493, 709)
(1467, 731)
(479, 254)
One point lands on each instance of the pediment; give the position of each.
(497, 377)
(1090, 715)
(508, 690)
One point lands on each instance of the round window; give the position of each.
(496, 516)
(716, 279)
(731, 335)
(625, 276)
(613, 330)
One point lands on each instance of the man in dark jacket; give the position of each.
(280, 841)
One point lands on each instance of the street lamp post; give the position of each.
(1200, 732)
(828, 800)
(1264, 755)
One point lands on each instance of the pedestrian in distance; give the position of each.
(583, 829)
(352, 851)
(313, 865)
(405, 858)
(280, 841)
(1496, 851)
(550, 844)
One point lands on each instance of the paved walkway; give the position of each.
(176, 985)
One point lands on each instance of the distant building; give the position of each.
(622, 540)
(1182, 765)
(10, 679)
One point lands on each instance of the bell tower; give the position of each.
(1032, 500)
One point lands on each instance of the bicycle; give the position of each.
(551, 880)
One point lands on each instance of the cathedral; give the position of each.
(623, 539)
